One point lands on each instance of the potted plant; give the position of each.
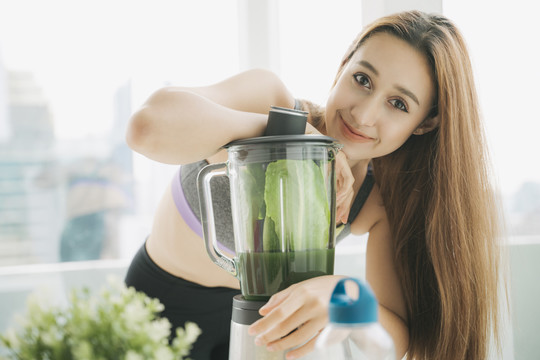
(120, 323)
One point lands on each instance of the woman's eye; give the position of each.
(399, 104)
(363, 80)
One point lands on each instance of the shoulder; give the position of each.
(263, 76)
(257, 81)
(372, 213)
(251, 91)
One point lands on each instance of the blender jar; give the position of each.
(283, 201)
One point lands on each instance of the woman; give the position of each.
(404, 101)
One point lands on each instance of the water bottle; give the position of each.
(354, 328)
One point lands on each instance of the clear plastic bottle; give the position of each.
(354, 330)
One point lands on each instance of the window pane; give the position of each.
(71, 73)
(313, 37)
(505, 54)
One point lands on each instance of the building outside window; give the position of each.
(71, 74)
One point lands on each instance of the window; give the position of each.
(313, 37)
(71, 73)
(503, 43)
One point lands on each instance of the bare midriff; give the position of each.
(175, 248)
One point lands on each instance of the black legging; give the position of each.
(209, 307)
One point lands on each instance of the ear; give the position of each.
(427, 125)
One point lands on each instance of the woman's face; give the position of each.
(381, 97)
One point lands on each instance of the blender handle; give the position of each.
(207, 216)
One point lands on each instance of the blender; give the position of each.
(283, 201)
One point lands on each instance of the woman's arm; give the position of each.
(179, 125)
(382, 276)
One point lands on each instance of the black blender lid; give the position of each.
(285, 126)
(283, 139)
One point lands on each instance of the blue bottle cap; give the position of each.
(345, 310)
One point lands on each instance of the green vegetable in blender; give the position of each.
(288, 219)
(296, 205)
(252, 199)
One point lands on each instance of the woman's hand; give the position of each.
(345, 191)
(294, 316)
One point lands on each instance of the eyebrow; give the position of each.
(408, 93)
(369, 66)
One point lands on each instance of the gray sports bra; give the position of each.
(186, 197)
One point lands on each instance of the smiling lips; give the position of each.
(353, 134)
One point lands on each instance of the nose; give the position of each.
(366, 113)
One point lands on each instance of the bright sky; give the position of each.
(81, 52)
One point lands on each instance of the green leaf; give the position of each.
(296, 202)
(251, 199)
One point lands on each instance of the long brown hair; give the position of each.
(440, 204)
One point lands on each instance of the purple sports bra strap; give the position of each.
(183, 206)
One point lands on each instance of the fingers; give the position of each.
(293, 317)
(302, 350)
(300, 335)
(275, 301)
(345, 191)
(288, 333)
(291, 324)
(344, 206)
(275, 314)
